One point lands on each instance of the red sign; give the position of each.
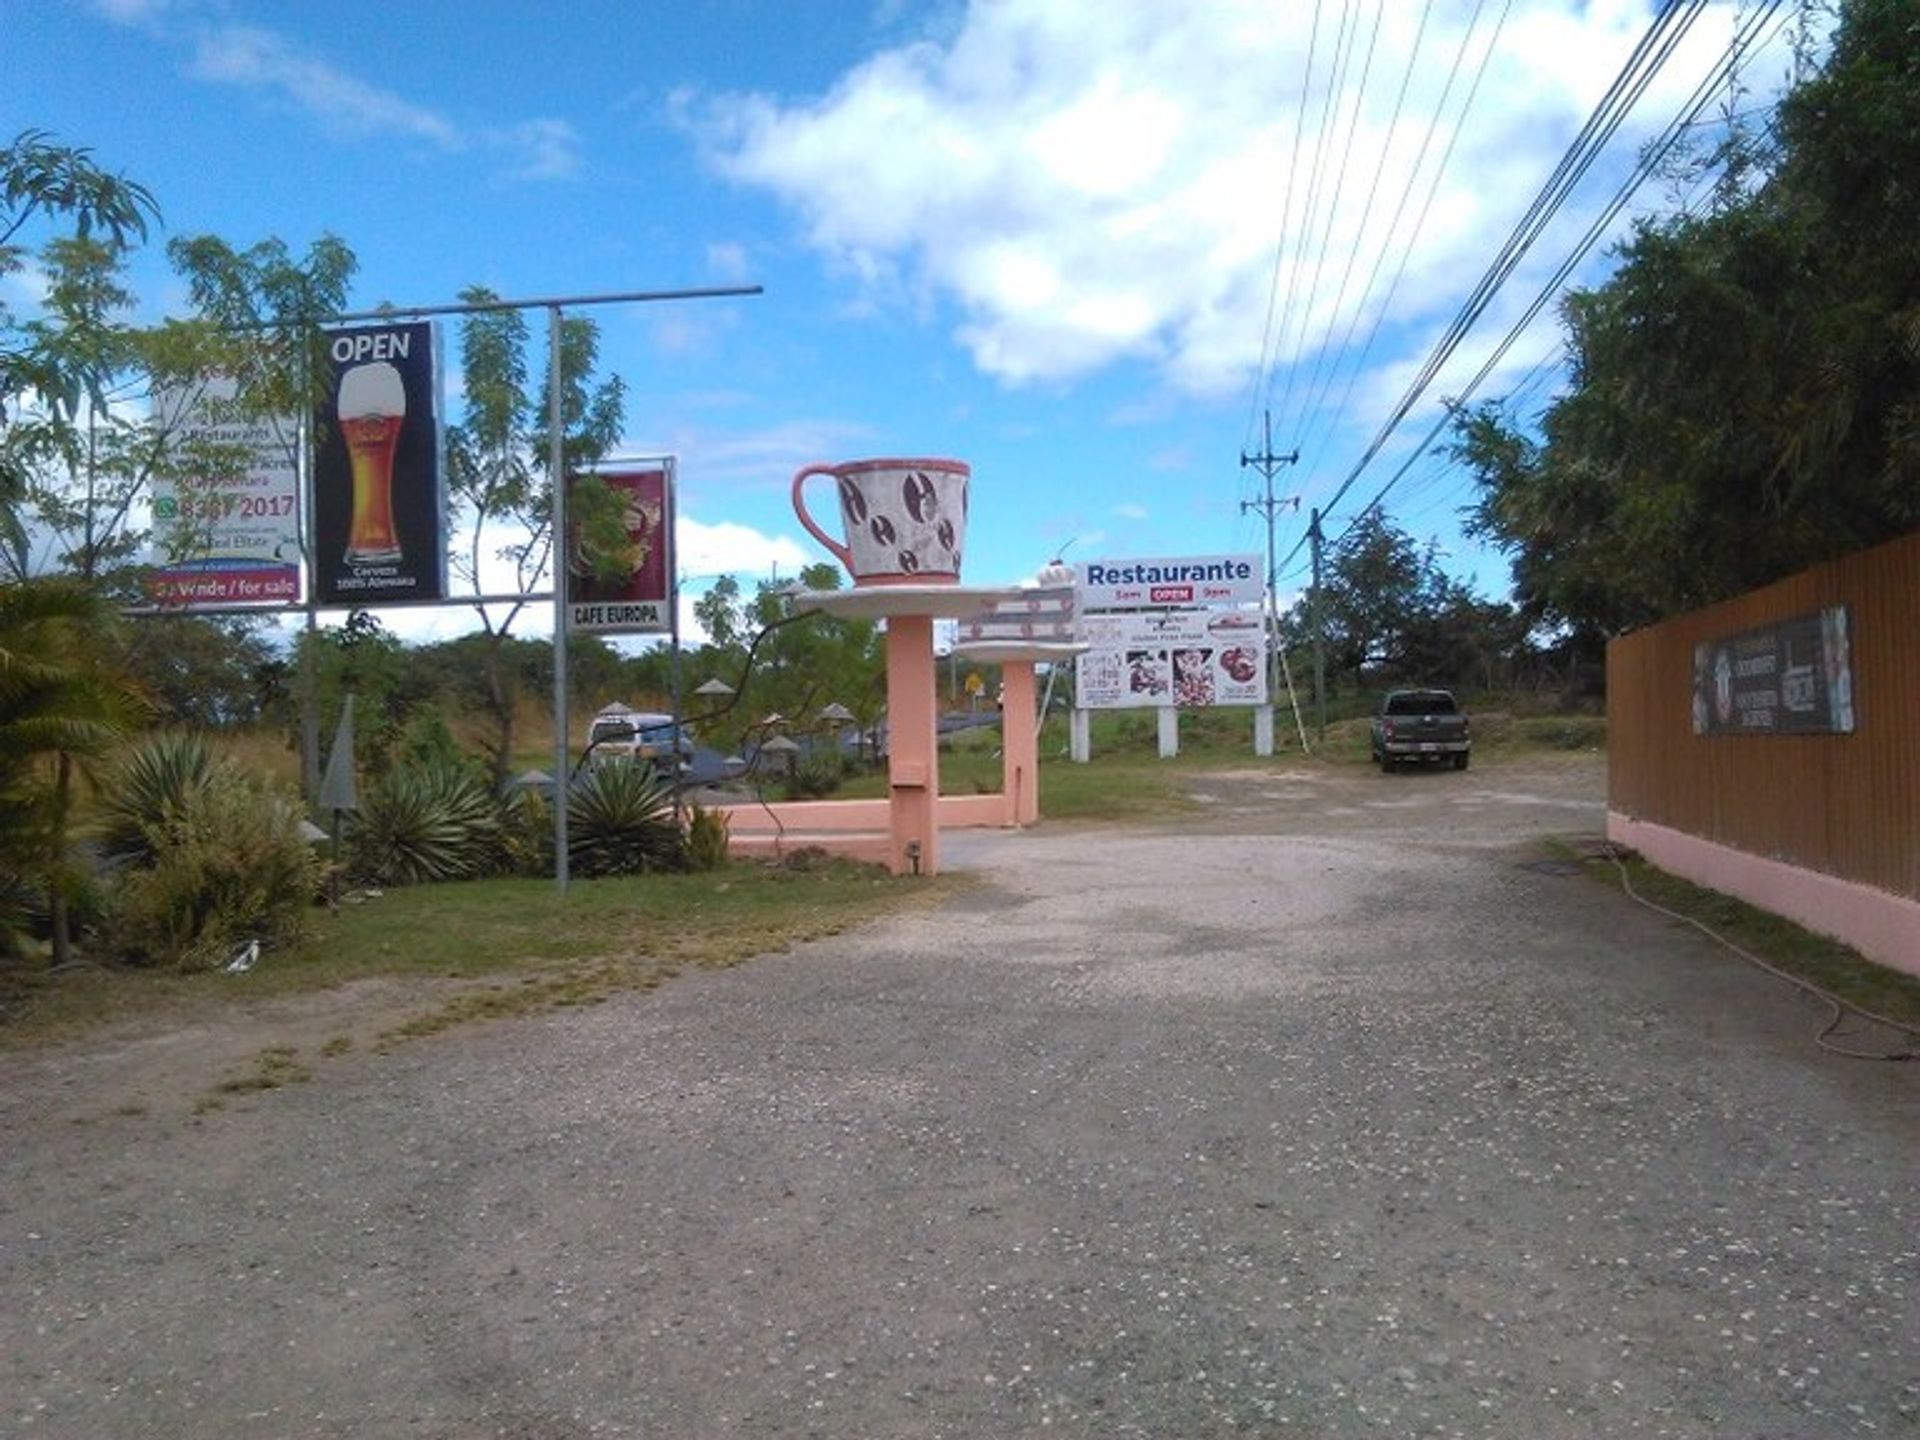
(1170, 595)
(642, 603)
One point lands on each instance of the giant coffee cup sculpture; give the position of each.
(904, 522)
(903, 525)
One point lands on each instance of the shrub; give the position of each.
(526, 834)
(424, 823)
(814, 778)
(145, 795)
(707, 835)
(620, 822)
(226, 865)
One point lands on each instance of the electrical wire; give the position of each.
(1841, 1008)
(1325, 348)
(1668, 28)
(1358, 366)
(1280, 244)
(1321, 146)
(1651, 158)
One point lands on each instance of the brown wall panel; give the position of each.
(1845, 805)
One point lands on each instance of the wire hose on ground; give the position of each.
(1841, 1008)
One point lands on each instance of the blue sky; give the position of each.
(1080, 244)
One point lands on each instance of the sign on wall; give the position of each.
(227, 531)
(378, 499)
(1170, 584)
(629, 589)
(1188, 659)
(1790, 678)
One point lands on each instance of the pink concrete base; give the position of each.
(1882, 926)
(1019, 744)
(857, 829)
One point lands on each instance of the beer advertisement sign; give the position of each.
(619, 570)
(226, 510)
(379, 502)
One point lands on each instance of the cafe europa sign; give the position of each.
(1794, 677)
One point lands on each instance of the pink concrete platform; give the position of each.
(903, 830)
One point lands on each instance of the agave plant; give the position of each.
(425, 823)
(620, 821)
(149, 790)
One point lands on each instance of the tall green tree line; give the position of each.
(1744, 397)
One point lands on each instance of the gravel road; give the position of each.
(1338, 1108)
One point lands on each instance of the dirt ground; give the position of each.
(1340, 1106)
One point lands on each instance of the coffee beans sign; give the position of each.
(853, 503)
(922, 500)
(902, 519)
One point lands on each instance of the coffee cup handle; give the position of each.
(840, 551)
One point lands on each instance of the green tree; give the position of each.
(44, 184)
(62, 708)
(204, 671)
(498, 459)
(1745, 391)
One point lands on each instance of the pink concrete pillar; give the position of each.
(1019, 743)
(913, 756)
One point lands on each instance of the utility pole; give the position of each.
(1270, 505)
(1319, 633)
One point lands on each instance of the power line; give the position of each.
(1669, 26)
(1649, 161)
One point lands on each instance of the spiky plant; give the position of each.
(425, 823)
(148, 789)
(227, 867)
(707, 836)
(620, 821)
(526, 834)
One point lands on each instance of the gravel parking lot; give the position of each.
(1340, 1107)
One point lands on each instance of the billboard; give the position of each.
(226, 521)
(1793, 677)
(623, 589)
(1170, 584)
(1188, 659)
(378, 496)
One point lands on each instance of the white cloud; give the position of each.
(260, 59)
(1087, 182)
(739, 550)
(538, 149)
(256, 58)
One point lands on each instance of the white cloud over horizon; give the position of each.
(1086, 184)
(253, 57)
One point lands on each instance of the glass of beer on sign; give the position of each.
(372, 408)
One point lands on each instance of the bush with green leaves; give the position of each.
(526, 834)
(620, 821)
(707, 837)
(155, 783)
(423, 823)
(817, 776)
(209, 862)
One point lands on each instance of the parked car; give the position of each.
(1421, 725)
(618, 733)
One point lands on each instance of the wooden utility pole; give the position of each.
(1318, 611)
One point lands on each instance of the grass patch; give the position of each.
(521, 944)
(1836, 968)
(275, 1066)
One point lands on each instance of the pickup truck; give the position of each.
(1421, 725)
